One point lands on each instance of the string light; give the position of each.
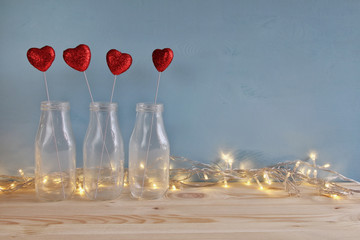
(291, 174)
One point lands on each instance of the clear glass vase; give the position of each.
(55, 153)
(103, 153)
(149, 152)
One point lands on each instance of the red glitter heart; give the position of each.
(162, 58)
(118, 62)
(78, 58)
(41, 58)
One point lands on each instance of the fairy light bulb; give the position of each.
(226, 184)
(173, 187)
(228, 159)
(313, 156)
(267, 179)
(315, 173)
(327, 165)
(206, 176)
(45, 179)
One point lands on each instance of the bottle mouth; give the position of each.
(55, 105)
(103, 106)
(149, 107)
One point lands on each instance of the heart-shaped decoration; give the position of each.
(162, 58)
(41, 58)
(78, 58)
(118, 62)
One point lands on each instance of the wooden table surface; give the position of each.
(237, 212)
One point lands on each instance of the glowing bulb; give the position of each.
(142, 166)
(224, 156)
(154, 185)
(125, 184)
(326, 165)
(206, 177)
(45, 179)
(227, 158)
(12, 185)
(266, 177)
(248, 182)
(81, 191)
(297, 164)
(261, 187)
(327, 185)
(315, 173)
(308, 172)
(313, 156)
(335, 196)
(173, 187)
(225, 184)
(57, 180)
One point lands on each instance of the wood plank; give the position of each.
(192, 213)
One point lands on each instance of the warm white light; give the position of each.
(205, 176)
(327, 185)
(142, 166)
(227, 159)
(315, 173)
(334, 196)
(173, 187)
(267, 179)
(81, 191)
(45, 179)
(313, 156)
(154, 185)
(326, 165)
(57, 180)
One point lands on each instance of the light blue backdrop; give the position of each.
(272, 78)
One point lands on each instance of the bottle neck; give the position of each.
(103, 107)
(149, 107)
(103, 113)
(54, 106)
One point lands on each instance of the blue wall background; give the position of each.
(277, 78)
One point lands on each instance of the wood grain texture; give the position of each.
(238, 212)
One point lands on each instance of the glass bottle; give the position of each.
(149, 152)
(55, 153)
(103, 153)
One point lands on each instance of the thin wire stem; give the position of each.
(54, 136)
(87, 83)
(103, 146)
(151, 129)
